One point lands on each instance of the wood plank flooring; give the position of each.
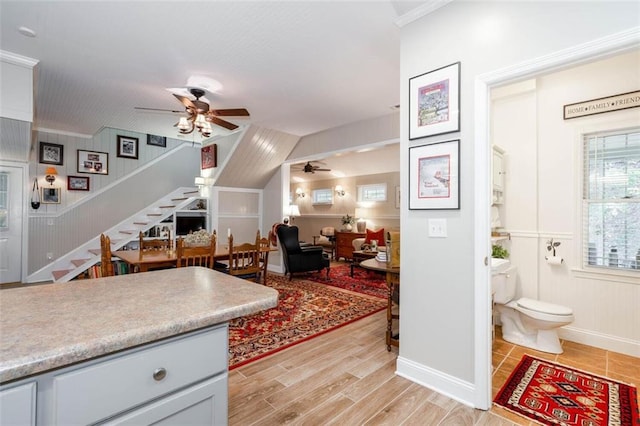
(346, 377)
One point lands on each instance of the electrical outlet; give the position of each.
(438, 228)
(49, 256)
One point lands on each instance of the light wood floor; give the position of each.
(346, 377)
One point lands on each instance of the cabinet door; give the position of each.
(18, 405)
(201, 404)
(498, 171)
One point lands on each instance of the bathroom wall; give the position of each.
(542, 195)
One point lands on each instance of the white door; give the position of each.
(11, 217)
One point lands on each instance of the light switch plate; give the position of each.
(438, 228)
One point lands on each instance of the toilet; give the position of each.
(526, 322)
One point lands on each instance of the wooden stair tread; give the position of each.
(167, 207)
(59, 274)
(180, 199)
(127, 231)
(154, 214)
(94, 251)
(140, 223)
(192, 192)
(79, 262)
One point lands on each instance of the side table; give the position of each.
(393, 286)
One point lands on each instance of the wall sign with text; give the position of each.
(600, 105)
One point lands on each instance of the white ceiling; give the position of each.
(298, 66)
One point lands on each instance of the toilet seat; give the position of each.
(543, 311)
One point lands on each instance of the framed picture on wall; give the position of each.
(434, 176)
(156, 140)
(77, 183)
(93, 162)
(209, 156)
(434, 102)
(51, 195)
(128, 147)
(51, 153)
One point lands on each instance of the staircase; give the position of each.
(85, 256)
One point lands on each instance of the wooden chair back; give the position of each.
(196, 255)
(264, 244)
(106, 267)
(153, 245)
(244, 260)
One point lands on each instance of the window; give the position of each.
(322, 196)
(611, 200)
(374, 192)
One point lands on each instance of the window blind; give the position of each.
(611, 200)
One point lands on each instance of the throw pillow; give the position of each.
(375, 235)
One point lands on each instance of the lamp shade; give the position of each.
(294, 211)
(51, 171)
(361, 213)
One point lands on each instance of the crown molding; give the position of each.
(15, 59)
(420, 11)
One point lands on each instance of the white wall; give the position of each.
(542, 196)
(437, 299)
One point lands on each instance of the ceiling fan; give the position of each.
(200, 116)
(310, 168)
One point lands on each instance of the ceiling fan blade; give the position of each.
(222, 123)
(185, 101)
(159, 110)
(233, 112)
(321, 170)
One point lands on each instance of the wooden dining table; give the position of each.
(153, 259)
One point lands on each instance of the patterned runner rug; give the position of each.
(552, 394)
(363, 281)
(305, 309)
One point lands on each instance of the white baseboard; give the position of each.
(600, 340)
(453, 387)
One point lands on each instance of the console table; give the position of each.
(393, 286)
(344, 243)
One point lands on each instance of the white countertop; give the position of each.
(44, 327)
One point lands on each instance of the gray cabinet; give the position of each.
(179, 381)
(18, 404)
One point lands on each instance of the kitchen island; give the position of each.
(139, 348)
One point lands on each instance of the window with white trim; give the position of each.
(373, 192)
(322, 196)
(611, 200)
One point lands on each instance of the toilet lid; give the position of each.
(544, 307)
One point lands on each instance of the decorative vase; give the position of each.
(347, 227)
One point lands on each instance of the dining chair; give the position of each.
(153, 244)
(106, 267)
(195, 255)
(244, 260)
(264, 244)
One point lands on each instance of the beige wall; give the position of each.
(542, 198)
(383, 214)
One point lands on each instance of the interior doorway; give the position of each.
(11, 223)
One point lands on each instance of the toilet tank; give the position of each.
(503, 284)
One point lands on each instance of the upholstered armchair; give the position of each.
(297, 258)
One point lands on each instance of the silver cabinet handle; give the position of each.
(159, 374)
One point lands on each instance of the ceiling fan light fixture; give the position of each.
(184, 125)
(200, 122)
(206, 129)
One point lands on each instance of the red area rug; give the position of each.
(551, 394)
(305, 309)
(364, 281)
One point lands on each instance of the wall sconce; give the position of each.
(340, 191)
(300, 193)
(203, 181)
(50, 173)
